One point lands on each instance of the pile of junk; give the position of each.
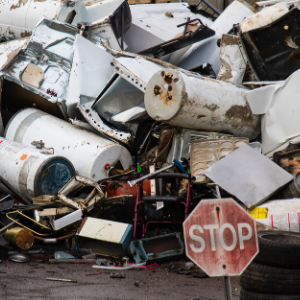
(117, 120)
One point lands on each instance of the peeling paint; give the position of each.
(26, 33)
(240, 112)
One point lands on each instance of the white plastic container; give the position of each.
(31, 172)
(89, 153)
(194, 102)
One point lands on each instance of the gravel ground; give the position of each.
(28, 281)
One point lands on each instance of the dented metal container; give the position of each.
(205, 153)
(157, 249)
(90, 154)
(31, 172)
(188, 100)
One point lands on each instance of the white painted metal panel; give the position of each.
(103, 230)
(248, 175)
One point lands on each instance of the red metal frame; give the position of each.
(139, 201)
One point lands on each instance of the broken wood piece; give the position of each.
(55, 211)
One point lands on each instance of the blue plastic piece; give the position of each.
(179, 165)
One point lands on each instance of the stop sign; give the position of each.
(220, 237)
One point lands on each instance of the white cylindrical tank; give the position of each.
(18, 18)
(89, 153)
(192, 101)
(31, 172)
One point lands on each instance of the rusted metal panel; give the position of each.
(220, 237)
(183, 139)
(264, 17)
(289, 159)
(273, 49)
(122, 188)
(189, 100)
(207, 152)
(205, 52)
(233, 60)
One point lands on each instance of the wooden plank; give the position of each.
(55, 211)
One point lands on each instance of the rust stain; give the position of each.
(26, 33)
(165, 96)
(218, 214)
(240, 112)
(157, 91)
(168, 78)
(292, 165)
(211, 107)
(12, 54)
(18, 5)
(11, 32)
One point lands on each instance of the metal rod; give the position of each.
(227, 288)
(11, 188)
(122, 30)
(60, 279)
(133, 182)
(7, 226)
(71, 261)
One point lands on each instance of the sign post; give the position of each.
(220, 237)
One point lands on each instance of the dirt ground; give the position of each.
(28, 281)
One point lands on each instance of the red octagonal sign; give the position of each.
(220, 237)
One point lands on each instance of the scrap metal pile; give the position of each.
(117, 119)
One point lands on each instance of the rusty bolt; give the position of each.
(170, 98)
(170, 88)
(162, 73)
(87, 110)
(217, 208)
(224, 266)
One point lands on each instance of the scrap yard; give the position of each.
(150, 149)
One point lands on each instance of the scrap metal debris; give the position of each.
(117, 120)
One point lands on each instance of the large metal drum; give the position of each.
(89, 153)
(31, 172)
(192, 101)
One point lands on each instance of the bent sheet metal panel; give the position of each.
(278, 104)
(153, 24)
(273, 49)
(207, 51)
(91, 69)
(51, 50)
(133, 74)
(248, 175)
